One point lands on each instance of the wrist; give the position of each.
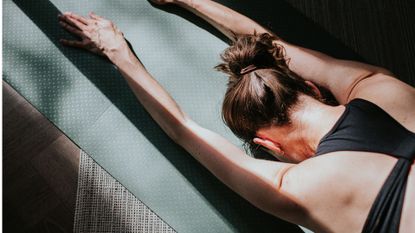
(117, 46)
(120, 55)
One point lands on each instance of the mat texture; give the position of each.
(104, 205)
(89, 101)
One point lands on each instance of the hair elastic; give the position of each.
(248, 69)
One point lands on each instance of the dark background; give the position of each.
(381, 32)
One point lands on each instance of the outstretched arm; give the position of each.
(257, 181)
(338, 76)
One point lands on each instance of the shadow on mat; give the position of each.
(239, 213)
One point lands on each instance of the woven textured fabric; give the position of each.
(104, 205)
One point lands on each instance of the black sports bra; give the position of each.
(366, 127)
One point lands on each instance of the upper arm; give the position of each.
(258, 181)
(337, 75)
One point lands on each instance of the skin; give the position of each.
(328, 193)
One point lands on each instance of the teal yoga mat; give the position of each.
(89, 101)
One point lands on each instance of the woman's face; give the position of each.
(285, 143)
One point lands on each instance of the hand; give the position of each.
(97, 35)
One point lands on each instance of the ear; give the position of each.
(274, 147)
(315, 89)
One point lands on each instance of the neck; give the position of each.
(314, 119)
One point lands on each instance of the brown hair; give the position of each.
(263, 96)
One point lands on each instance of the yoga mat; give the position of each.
(89, 101)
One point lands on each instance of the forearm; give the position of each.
(226, 20)
(256, 180)
(154, 98)
(200, 142)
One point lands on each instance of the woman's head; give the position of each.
(261, 89)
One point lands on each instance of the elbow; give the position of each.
(384, 71)
(378, 73)
(176, 133)
(179, 131)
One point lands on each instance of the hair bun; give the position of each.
(257, 50)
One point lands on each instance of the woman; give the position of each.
(276, 104)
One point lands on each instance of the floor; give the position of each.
(40, 170)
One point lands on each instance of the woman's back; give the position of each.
(339, 188)
(339, 198)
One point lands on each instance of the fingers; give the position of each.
(77, 17)
(72, 43)
(71, 29)
(94, 16)
(72, 21)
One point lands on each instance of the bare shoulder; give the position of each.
(314, 185)
(309, 176)
(329, 169)
(392, 95)
(344, 180)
